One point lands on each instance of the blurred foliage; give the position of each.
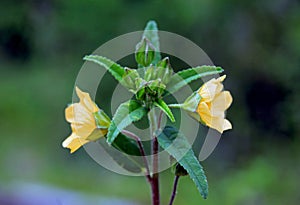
(42, 43)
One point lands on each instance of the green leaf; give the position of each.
(184, 77)
(151, 34)
(164, 107)
(126, 113)
(178, 147)
(127, 145)
(127, 156)
(115, 69)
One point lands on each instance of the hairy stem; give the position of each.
(174, 190)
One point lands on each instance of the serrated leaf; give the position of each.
(185, 77)
(151, 34)
(178, 147)
(164, 107)
(126, 113)
(115, 69)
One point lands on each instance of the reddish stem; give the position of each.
(155, 177)
(174, 190)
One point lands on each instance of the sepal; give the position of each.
(192, 102)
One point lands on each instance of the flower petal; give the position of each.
(204, 112)
(220, 124)
(226, 125)
(86, 100)
(208, 91)
(73, 142)
(217, 123)
(220, 103)
(78, 113)
(221, 79)
(83, 130)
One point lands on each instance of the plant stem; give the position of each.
(159, 119)
(175, 105)
(174, 190)
(155, 175)
(155, 189)
(138, 140)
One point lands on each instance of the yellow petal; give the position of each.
(78, 113)
(226, 125)
(86, 100)
(219, 84)
(208, 91)
(74, 142)
(83, 130)
(221, 79)
(220, 124)
(217, 123)
(220, 103)
(228, 98)
(211, 88)
(204, 112)
(69, 114)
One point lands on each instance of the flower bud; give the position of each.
(150, 74)
(129, 78)
(144, 53)
(140, 85)
(164, 70)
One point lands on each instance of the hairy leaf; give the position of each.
(164, 107)
(126, 113)
(185, 77)
(178, 147)
(115, 69)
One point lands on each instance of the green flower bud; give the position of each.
(164, 70)
(140, 85)
(140, 95)
(144, 53)
(164, 62)
(157, 87)
(129, 78)
(150, 74)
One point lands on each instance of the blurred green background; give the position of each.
(42, 43)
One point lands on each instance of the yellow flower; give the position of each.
(213, 104)
(208, 104)
(83, 123)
